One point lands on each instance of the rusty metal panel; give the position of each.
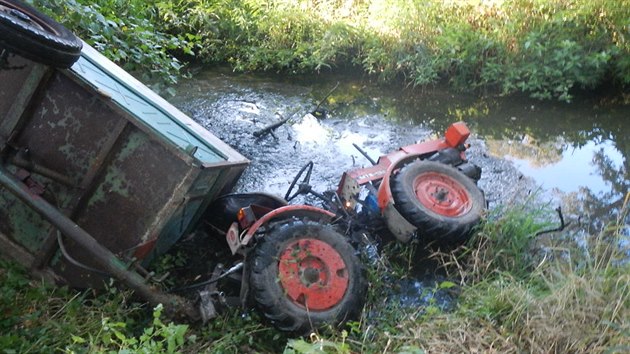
(21, 224)
(132, 192)
(21, 68)
(64, 130)
(107, 159)
(68, 128)
(198, 196)
(131, 199)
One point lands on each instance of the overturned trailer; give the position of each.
(98, 174)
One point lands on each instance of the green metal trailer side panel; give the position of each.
(111, 155)
(23, 220)
(145, 111)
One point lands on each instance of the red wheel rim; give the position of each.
(442, 194)
(313, 274)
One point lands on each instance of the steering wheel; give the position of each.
(303, 187)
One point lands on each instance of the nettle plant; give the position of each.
(129, 33)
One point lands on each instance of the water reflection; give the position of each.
(563, 166)
(580, 151)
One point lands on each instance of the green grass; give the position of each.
(40, 318)
(516, 293)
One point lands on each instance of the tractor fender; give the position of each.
(287, 212)
(400, 227)
(385, 190)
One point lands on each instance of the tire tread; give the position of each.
(59, 50)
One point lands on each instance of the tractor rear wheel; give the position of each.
(443, 203)
(305, 275)
(33, 35)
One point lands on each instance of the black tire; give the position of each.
(27, 32)
(291, 246)
(443, 203)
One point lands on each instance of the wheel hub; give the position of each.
(313, 274)
(442, 194)
(310, 276)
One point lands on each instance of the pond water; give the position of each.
(572, 152)
(573, 155)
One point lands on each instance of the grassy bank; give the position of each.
(545, 48)
(516, 292)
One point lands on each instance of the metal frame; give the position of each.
(102, 255)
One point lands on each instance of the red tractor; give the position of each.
(299, 265)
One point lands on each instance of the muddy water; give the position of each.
(571, 155)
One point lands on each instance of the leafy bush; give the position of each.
(127, 32)
(545, 48)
